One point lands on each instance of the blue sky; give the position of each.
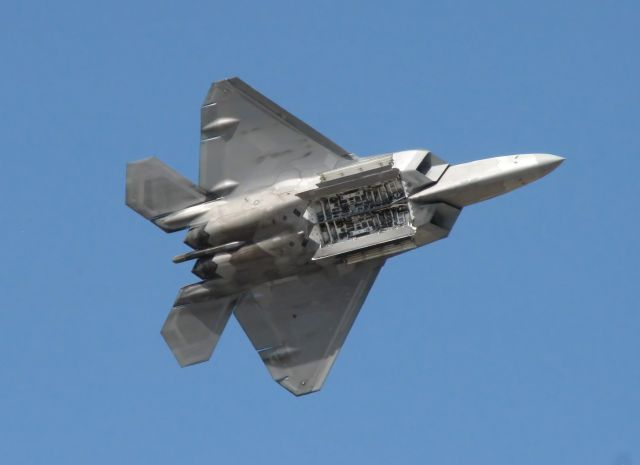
(515, 340)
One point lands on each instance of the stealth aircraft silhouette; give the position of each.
(288, 230)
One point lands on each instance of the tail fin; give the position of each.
(155, 190)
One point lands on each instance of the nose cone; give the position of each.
(480, 180)
(547, 163)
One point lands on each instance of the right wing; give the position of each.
(299, 324)
(249, 142)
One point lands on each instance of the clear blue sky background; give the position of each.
(514, 341)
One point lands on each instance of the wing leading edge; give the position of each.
(299, 324)
(249, 142)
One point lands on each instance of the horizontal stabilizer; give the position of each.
(195, 324)
(155, 190)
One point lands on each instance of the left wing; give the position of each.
(249, 142)
(299, 324)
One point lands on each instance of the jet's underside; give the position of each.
(288, 230)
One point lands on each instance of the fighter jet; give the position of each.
(288, 231)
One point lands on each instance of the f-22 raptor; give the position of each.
(288, 230)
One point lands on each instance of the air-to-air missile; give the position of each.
(288, 230)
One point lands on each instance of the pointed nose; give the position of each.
(547, 163)
(480, 180)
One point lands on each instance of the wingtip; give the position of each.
(298, 388)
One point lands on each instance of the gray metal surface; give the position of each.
(249, 140)
(293, 230)
(473, 182)
(195, 324)
(298, 324)
(153, 189)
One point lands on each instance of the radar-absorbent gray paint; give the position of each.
(289, 230)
